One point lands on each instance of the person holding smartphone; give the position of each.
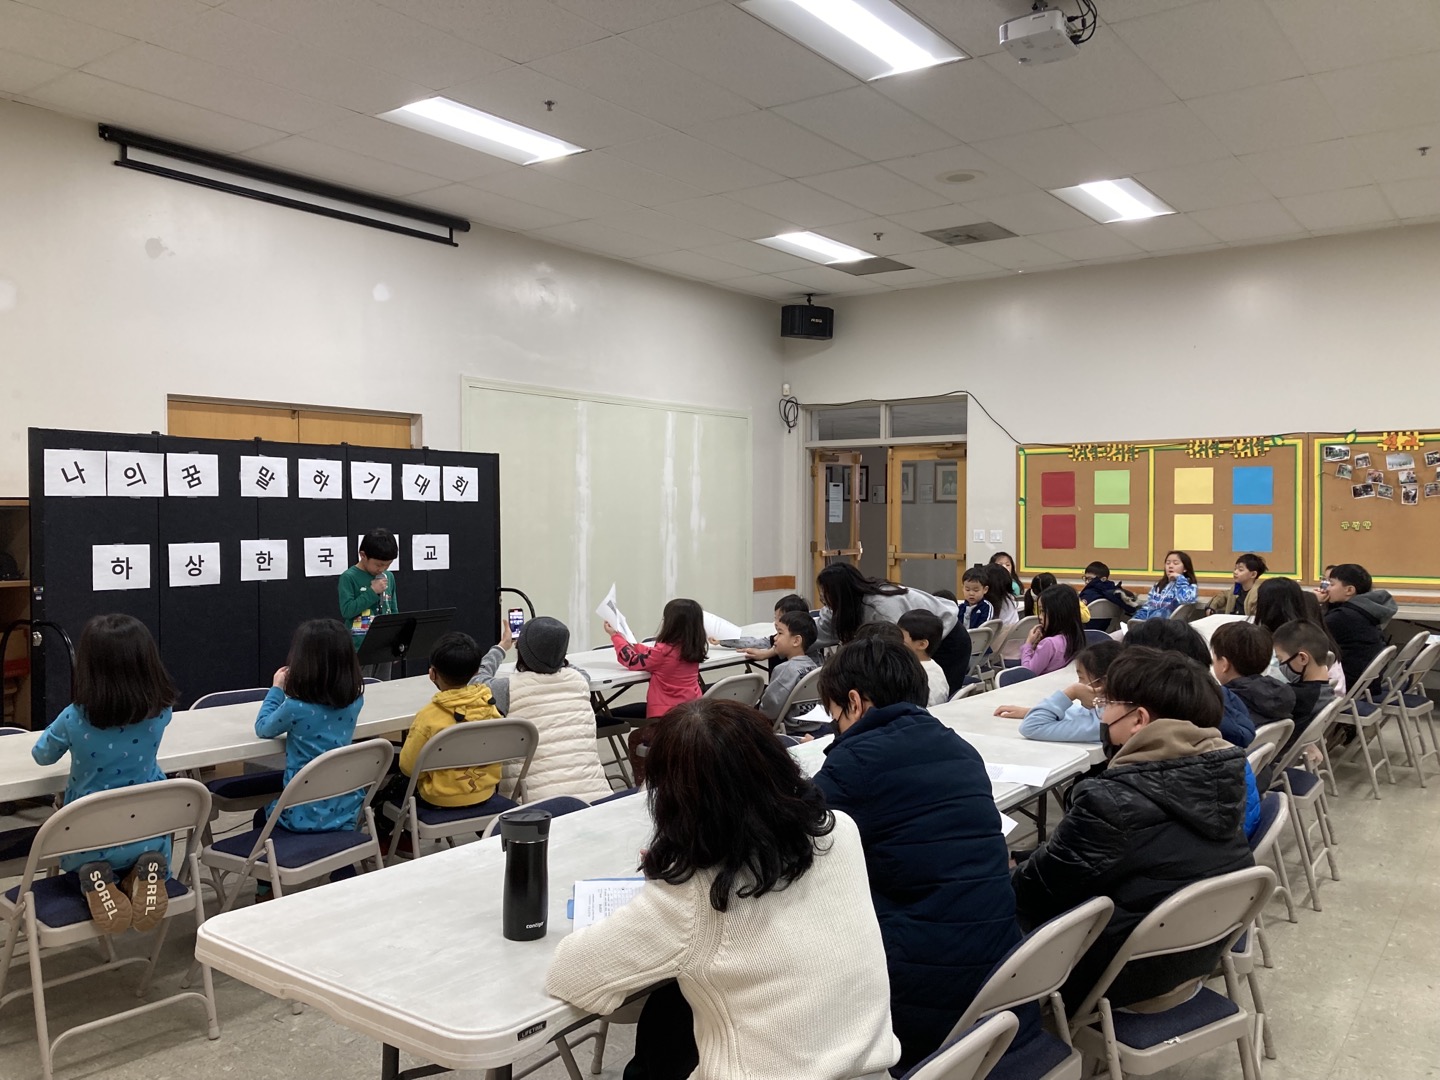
(367, 591)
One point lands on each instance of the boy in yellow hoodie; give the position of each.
(453, 663)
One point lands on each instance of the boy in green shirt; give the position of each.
(367, 590)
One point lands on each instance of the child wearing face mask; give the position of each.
(1300, 653)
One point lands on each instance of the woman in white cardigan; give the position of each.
(756, 903)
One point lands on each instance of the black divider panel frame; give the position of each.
(210, 635)
(472, 584)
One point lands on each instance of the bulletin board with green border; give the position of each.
(1127, 504)
(1375, 521)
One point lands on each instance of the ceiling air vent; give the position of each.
(960, 235)
(871, 266)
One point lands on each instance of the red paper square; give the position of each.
(1057, 489)
(1057, 530)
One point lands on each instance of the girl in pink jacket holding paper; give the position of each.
(1060, 635)
(673, 664)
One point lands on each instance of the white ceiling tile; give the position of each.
(664, 228)
(795, 202)
(1028, 212)
(1384, 95)
(1345, 209)
(521, 32)
(542, 189)
(866, 122)
(1414, 198)
(693, 162)
(1158, 138)
(733, 49)
(79, 94)
(955, 262)
(876, 189)
(755, 257)
(1120, 10)
(1224, 182)
(1395, 155)
(148, 67)
(1106, 78)
(487, 208)
(602, 171)
(934, 169)
(43, 35)
(21, 73)
(592, 236)
(827, 280)
(692, 265)
(774, 142)
(1285, 113)
(1088, 244)
(403, 146)
(1172, 232)
(1053, 158)
(1302, 170)
(1212, 46)
(324, 162)
(1252, 221)
(941, 217)
(895, 240)
(303, 66)
(642, 82)
(519, 94)
(907, 279)
(974, 25)
(970, 100)
(133, 18)
(621, 15)
(771, 288)
(376, 35)
(724, 214)
(1341, 33)
(1021, 253)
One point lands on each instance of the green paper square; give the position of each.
(1112, 488)
(1112, 530)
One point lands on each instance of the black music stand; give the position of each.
(407, 633)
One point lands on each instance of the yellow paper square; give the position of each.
(1195, 486)
(1195, 532)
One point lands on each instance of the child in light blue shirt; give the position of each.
(1070, 715)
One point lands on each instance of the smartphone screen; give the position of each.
(517, 620)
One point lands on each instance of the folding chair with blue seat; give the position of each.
(1304, 789)
(283, 858)
(1264, 845)
(1013, 675)
(974, 1055)
(1209, 913)
(1095, 637)
(473, 744)
(15, 843)
(1034, 971)
(1407, 701)
(249, 791)
(1359, 711)
(626, 793)
(52, 913)
(555, 806)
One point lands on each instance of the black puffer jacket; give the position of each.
(1267, 699)
(1356, 627)
(1168, 812)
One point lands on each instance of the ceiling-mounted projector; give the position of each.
(1041, 37)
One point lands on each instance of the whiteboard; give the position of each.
(651, 496)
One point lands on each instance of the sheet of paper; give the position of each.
(133, 476)
(461, 483)
(597, 899)
(371, 480)
(325, 556)
(721, 629)
(264, 477)
(194, 564)
(420, 483)
(1029, 775)
(264, 560)
(320, 478)
(430, 551)
(1007, 824)
(119, 566)
(74, 473)
(810, 756)
(609, 610)
(192, 476)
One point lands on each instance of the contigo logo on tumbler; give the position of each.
(524, 835)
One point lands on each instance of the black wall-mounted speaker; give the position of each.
(807, 321)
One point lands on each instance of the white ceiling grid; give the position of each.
(1258, 120)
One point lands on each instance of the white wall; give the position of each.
(1324, 334)
(118, 288)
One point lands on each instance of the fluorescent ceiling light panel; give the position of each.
(478, 130)
(816, 248)
(868, 38)
(1114, 200)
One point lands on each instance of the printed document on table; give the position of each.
(610, 612)
(596, 899)
(1029, 775)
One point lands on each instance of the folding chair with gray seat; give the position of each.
(969, 690)
(1406, 700)
(1108, 612)
(1009, 650)
(283, 858)
(1013, 675)
(1212, 912)
(1359, 711)
(1304, 788)
(804, 692)
(53, 914)
(972, 1056)
(1035, 970)
(1274, 813)
(1186, 613)
(473, 744)
(746, 688)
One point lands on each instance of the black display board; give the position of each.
(235, 633)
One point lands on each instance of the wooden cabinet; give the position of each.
(15, 604)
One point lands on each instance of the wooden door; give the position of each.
(275, 423)
(921, 531)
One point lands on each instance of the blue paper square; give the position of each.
(1252, 485)
(1252, 532)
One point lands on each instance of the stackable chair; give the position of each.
(247, 792)
(1094, 637)
(974, 1055)
(982, 638)
(969, 690)
(1035, 970)
(1265, 845)
(15, 843)
(1186, 613)
(51, 913)
(746, 689)
(1407, 702)
(611, 730)
(470, 745)
(1102, 610)
(1304, 790)
(283, 858)
(1359, 710)
(1216, 910)
(1016, 637)
(555, 806)
(804, 692)
(1013, 675)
